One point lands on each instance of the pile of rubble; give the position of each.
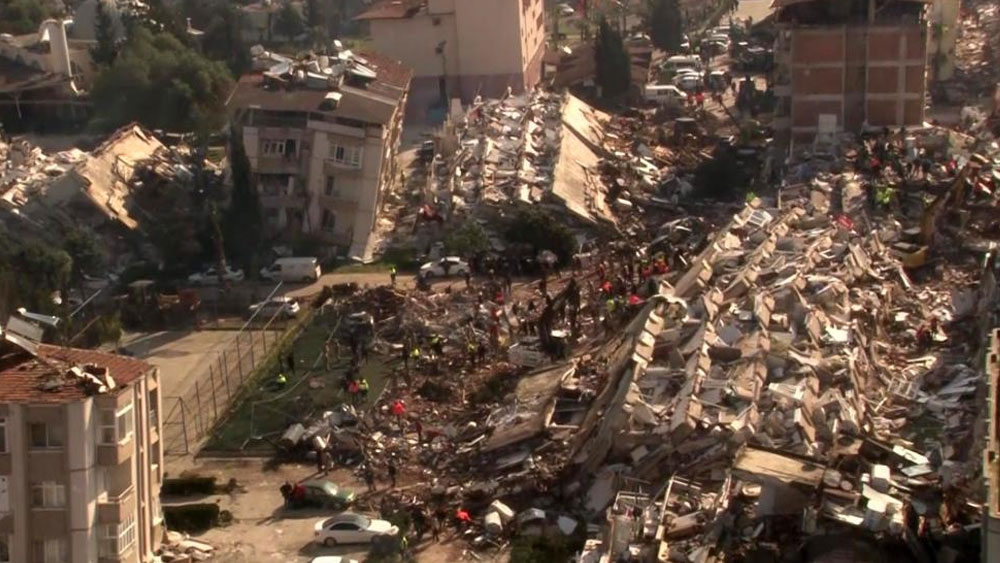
(178, 548)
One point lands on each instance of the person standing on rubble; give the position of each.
(392, 276)
(369, 477)
(392, 472)
(398, 410)
(363, 389)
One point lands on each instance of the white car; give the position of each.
(282, 306)
(566, 10)
(447, 266)
(348, 527)
(688, 82)
(332, 559)
(211, 276)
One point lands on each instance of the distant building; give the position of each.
(461, 48)
(322, 135)
(81, 461)
(42, 76)
(841, 66)
(991, 453)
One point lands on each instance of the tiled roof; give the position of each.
(391, 9)
(389, 70)
(22, 376)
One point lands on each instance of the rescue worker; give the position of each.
(363, 389)
(392, 276)
(281, 381)
(437, 345)
(392, 473)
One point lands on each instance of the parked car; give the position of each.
(282, 306)
(688, 82)
(332, 559)
(324, 494)
(349, 527)
(447, 266)
(293, 269)
(211, 276)
(665, 94)
(566, 9)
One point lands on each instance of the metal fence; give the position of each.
(191, 415)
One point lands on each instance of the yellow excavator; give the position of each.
(952, 197)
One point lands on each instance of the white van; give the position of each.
(302, 269)
(667, 94)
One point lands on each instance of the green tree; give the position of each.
(539, 230)
(242, 224)
(288, 22)
(161, 83)
(666, 27)
(22, 16)
(468, 240)
(87, 256)
(30, 273)
(223, 40)
(105, 49)
(614, 69)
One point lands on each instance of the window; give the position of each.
(331, 183)
(48, 494)
(348, 156)
(273, 147)
(116, 539)
(116, 427)
(47, 435)
(49, 551)
(4, 549)
(329, 220)
(3, 441)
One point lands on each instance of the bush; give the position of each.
(184, 486)
(192, 518)
(542, 549)
(468, 240)
(539, 230)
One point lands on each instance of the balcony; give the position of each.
(110, 455)
(280, 164)
(112, 509)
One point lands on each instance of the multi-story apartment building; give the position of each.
(461, 48)
(80, 455)
(845, 66)
(321, 136)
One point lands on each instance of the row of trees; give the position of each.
(613, 66)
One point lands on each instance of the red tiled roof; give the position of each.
(22, 375)
(391, 10)
(389, 70)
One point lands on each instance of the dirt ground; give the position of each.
(262, 530)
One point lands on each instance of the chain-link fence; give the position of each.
(191, 415)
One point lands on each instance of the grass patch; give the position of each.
(261, 414)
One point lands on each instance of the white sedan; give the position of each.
(211, 276)
(283, 306)
(348, 527)
(447, 266)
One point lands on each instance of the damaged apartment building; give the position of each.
(321, 134)
(848, 66)
(81, 460)
(461, 48)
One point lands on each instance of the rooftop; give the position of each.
(46, 378)
(371, 101)
(391, 10)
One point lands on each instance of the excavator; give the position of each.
(951, 198)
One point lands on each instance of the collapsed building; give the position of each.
(321, 135)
